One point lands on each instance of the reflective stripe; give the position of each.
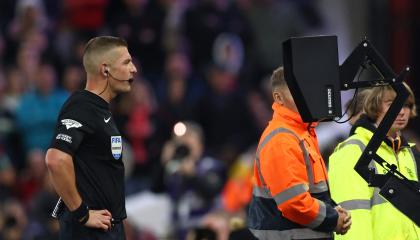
(261, 192)
(357, 142)
(313, 188)
(319, 187)
(264, 193)
(283, 196)
(261, 146)
(290, 193)
(377, 198)
(364, 204)
(362, 147)
(297, 233)
(322, 213)
(356, 204)
(373, 166)
(308, 163)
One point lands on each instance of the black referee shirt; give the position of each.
(86, 130)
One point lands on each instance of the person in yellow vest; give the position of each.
(373, 216)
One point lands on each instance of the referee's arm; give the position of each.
(61, 169)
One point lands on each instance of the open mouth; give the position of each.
(130, 80)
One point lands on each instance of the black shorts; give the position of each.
(70, 229)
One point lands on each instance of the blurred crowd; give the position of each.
(202, 62)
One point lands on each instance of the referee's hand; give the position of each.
(99, 219)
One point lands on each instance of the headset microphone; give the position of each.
(108, 73)
(117, 78)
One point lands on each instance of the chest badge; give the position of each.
(116, 146)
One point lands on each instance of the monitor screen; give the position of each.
(311, 70)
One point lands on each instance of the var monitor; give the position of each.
(311, 70)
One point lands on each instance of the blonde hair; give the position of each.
(373, 103)
(355, 106)
(277, 79)
(96, 49)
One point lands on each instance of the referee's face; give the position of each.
(121, 71)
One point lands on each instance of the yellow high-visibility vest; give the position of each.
(373, 217)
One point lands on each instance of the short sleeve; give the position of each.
(71, 128)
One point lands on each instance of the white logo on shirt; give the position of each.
(116, 146)
(70, 123)
(64, 137)
(107, 120)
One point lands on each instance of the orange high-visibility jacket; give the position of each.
(291, 198)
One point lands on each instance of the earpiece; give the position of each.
(106, 71)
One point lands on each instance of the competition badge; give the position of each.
(116, 146)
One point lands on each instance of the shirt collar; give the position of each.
(290, 117)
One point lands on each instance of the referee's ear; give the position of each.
(105, 70)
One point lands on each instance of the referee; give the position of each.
(85, 156)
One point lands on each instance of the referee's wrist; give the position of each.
(81, 214)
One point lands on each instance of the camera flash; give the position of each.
(180, 129)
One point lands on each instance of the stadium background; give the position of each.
(201, 60)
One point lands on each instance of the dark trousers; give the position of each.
(72, 230)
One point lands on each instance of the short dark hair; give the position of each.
(99, 46)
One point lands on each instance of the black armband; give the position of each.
(81, 214)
